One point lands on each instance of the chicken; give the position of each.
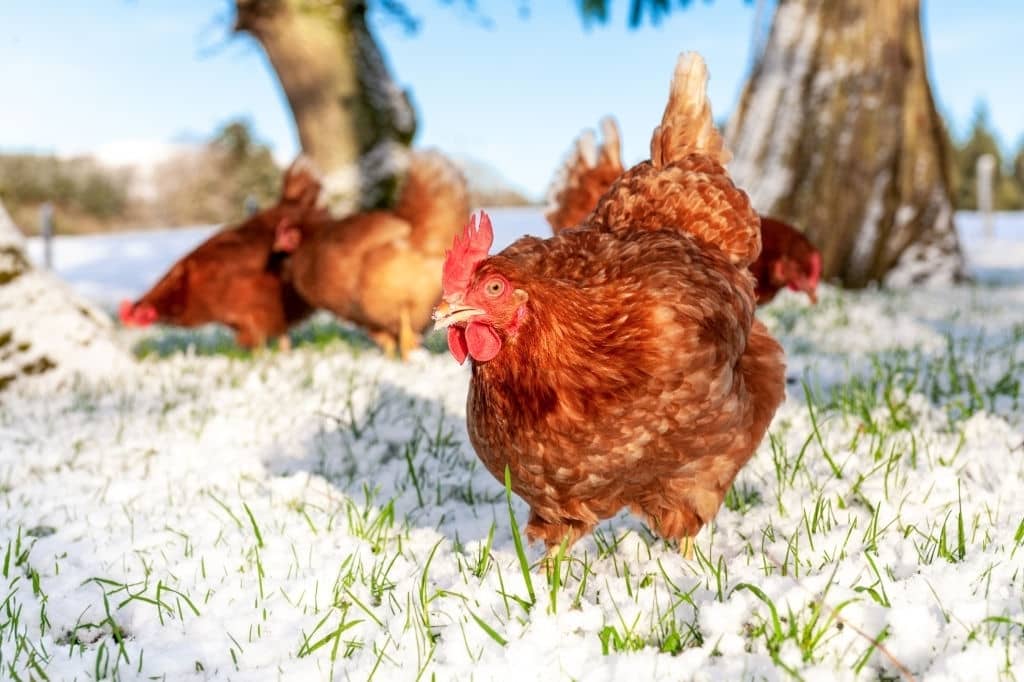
(379, 269)
(234, 277)
(620, 365)
(788, 258)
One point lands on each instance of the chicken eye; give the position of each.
(495, 287)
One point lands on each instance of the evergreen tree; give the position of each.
(1017, 170)
(980, 141)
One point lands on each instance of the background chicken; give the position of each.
(788, 259)
(620, 364)
(379, 269)
(234, 277)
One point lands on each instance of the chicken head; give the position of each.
(480, 307)
(799, 273)
(137, 314)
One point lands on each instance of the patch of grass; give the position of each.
(741, 498)
(23, 650)
(517, 540)
(319, 333)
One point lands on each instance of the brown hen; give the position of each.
(233, 277)
(379, 269)
(620, 364)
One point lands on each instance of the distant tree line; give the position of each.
(212, 183)
(77, 187)
(208, 184)
(1008, 177)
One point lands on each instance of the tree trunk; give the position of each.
(837, 132)
(353, 120)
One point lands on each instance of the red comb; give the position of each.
(137, 314)
(466, 253)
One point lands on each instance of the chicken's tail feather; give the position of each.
(686, 126)
(685, 185)
(586, 173)
(434, 200)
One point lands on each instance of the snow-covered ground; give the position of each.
(110, 267)
(320, 514)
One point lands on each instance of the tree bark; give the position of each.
(837, 132)
(353, 120)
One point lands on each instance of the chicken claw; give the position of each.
(686, 545)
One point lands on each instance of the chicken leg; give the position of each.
(408, 340)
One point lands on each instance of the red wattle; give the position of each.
(483, 342)
(457, 344)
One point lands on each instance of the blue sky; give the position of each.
(76, 76)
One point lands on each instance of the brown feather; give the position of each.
(234, 279)
(434, 197)
(687, 126)
(585, 174)
(373, 267)
(685, 185)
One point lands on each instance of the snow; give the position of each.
(107, 268)
(47, 332)
(867, 237)
(320, 513)
(935, 260)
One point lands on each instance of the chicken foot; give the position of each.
(401, 345)
(386, 341)
(680, 524)
(555, 533)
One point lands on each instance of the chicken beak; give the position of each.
(448, 313)
(812, 294)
